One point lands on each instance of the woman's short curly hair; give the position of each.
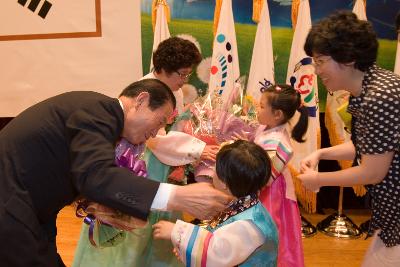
(345, 38)
(175, 53)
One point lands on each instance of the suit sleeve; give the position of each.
(93, 133)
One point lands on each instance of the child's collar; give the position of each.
(235, 207)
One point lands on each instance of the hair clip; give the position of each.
(277, 88)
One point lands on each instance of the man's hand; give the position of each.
(201, 200)
(209, 152)
(163, 230)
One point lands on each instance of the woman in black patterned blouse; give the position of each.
(344, 50)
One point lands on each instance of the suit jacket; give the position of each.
(64, 147)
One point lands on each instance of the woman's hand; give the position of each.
(310, 162)
(310, 180)
(242, 135)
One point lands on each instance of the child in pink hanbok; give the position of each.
(278, 105)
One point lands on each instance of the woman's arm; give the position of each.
(345, 151)
(372, 170)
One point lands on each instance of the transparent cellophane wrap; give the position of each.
(217, 123)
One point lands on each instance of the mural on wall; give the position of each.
(381, 13)
(195, 18)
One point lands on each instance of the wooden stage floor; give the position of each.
(319, 250)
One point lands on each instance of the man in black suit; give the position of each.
(63, 148)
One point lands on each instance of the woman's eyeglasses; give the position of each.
(183, 76)
(318, 61)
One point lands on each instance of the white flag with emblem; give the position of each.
(262, 62)
(359, 10)
(224, 69)
(301, 75)
(161, 31)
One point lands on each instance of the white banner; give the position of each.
(48, 47)
(262, 61)
(161, 30)
(301, 75)
(225, 61)
(359, 10)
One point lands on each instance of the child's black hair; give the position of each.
(285, 98)
(244, 167)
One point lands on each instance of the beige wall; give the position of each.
(79, 45)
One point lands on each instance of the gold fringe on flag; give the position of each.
(335, 139)
(167, 11)
(217, 11)
(295, 12)
(307, 199)
(257, 7)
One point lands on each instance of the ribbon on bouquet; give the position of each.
(127, 156)
(110, 236)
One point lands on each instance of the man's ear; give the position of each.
(142, 99)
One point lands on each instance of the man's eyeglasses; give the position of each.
(183, 76)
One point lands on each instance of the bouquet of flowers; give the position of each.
(216, 123)
(107, 226)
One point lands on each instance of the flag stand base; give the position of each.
(338, 224)
(307, 229)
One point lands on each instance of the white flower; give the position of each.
(190, 38)
(203, 70)
(189, 93)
